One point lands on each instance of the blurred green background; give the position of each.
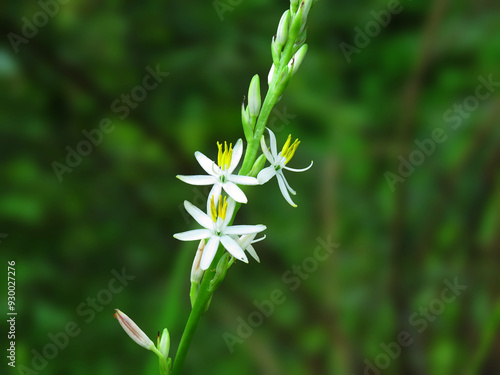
(401, 243)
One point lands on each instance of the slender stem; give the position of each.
(204, 295)
(253, 145)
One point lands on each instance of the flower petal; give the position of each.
(237, 152)
(252, 252)
(201, 218)
(284, 191)
(266, 174)
(288, 186)
(208, 165)
(233, 248)
(231, 204)
(265, 150)
(243, 180)
(198, 180)
(209, 252)
(272, 141)
(244, 229)
(192, 235)
(234, 192)
(298, 170)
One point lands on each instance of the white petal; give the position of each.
(201, 218)
(243, 180)
(215, 192)
(298, 170)
(208, 165)
(237, 152)
(231, 204)
(288, 186)
(245, 240)
(272, 141)
(234, 192)
(252, 252)
(209, 252)
(265, 151)
(233, 248)
(284, 190)
(198, 180)
(266, 174)
(244, 229)
(192, 235)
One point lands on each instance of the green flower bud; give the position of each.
(164, 343)
(254, 101)
(283, 26)
(258, 165)
(298, 58)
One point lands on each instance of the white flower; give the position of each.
(217, 230)
(220, 174)
(278, 162)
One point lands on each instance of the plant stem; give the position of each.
(204, 295)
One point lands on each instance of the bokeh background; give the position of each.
(398, 244)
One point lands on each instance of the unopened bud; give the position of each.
(133, 330)
(294, 5)
(254, 100)
(298, 58)
(271, 75)
(258, 165)
(196, 271)
(283, 26)
(164, 343)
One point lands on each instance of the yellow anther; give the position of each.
(213, 210)
(224, 157)
(288, 151)
(286, 145)
(220, 210)
(222, 213)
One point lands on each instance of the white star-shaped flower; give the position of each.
(217, 231)
(220, 174)
(278, 163)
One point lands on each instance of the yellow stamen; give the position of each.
(286, 145)
(220, 210)
(213, 212)
(289, 151)
(224, 157)
(224, 210)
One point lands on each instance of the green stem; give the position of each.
(204, 295)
